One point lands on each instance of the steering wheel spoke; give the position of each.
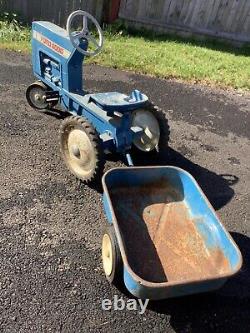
(85, 33)
(92, 39)
(85, 24)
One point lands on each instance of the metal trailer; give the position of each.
(164, 239)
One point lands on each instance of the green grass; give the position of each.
(162, 56)
(13, 32)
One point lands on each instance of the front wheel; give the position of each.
(36, 96)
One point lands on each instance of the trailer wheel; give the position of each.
(156, 131)
(36, 96)
(111, 257)
(81, 149)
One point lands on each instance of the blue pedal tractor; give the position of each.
(100, 123)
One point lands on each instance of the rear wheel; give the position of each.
(156, 131)
(150, 137)
(81, 149)
(111, 257)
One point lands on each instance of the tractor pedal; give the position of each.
(136, 129)
(52, 96)
(118, 114)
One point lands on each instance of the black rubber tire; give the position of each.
(116, 276)
(163, 148)
(76, 122)
(45, 88)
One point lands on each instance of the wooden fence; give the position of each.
(228, 19)
(55, 11)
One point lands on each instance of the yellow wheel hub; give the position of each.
(107, 255)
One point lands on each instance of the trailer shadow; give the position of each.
(217, 188)
(226, 310)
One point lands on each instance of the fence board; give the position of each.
(52, 10)
(166, 7)
(142, 9)
(228, 19)
(224, 18)
(202, 12)
(184, 10)
(241, 15)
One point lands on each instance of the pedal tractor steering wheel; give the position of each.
(76, 36)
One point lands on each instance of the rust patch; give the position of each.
(161, 240)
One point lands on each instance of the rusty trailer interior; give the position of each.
(168, 229)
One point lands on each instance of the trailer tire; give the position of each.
(111, 257)
(81, 149)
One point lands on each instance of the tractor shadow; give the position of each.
(56, 113)
(225, 310)
(217, 188)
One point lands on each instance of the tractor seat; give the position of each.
(115, 101)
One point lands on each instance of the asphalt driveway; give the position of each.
(51, 279)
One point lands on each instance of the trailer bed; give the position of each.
(161, 238)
